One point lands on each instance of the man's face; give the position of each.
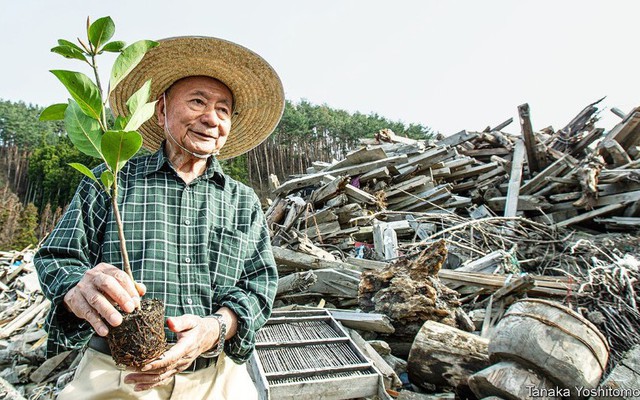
(199, 113)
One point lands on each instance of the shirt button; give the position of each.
(187, 222)
(187, 259)
(189, 301)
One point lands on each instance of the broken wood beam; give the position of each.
(353, 170)
(289, 260)
(445, 356)
(515, 178)
(533, 157)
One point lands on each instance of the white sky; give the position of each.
(450, 65)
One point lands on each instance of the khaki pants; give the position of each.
(97, 378)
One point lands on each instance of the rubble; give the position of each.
(546, 214)
(448, 233)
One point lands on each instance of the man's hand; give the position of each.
(93, 297)
(195, 336)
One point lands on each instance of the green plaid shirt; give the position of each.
(197, 247)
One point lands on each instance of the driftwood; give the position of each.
(509, 380)
(410, 293)
(530, 332)
(445, 356)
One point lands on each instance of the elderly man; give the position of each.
(197, 238)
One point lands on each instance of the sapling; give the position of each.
(114, 141)
(85, 115)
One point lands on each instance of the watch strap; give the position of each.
(222, 333)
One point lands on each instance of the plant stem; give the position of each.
(123, 246)
(94, 66)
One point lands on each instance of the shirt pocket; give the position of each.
(227, 251)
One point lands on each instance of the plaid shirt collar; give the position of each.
(159, 161)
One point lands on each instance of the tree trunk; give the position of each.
(446, 357)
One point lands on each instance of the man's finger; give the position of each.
(82, 309)
(112, 287)
(183, 323)
(102, 305)
(142, 289)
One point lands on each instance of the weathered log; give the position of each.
(625, 376)
(510, 380)
(445, 356)
(552, 339)
(296, 282)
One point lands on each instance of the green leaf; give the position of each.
(67, 43)
(69, 52)
(54, 112)
(114, 47)
(101, 31)
(128, 59)
(118, 147)
(141, 115)
(83, 91)
(84, 131)
(107, 179)
(120, 123)
(86, 171)
(139, 98)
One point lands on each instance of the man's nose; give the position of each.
(210, 118)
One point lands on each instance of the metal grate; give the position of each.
(307, 353)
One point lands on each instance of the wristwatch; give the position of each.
(220, 345)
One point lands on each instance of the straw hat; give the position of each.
(257, 90)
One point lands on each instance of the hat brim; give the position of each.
(257, 90)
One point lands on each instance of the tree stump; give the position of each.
(410, 293)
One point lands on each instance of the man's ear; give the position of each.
(160, 110)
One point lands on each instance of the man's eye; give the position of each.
(198, 102)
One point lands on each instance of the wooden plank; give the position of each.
(296, 260)
(555, 169)
(390, 378)
(617, 153)
(370, 322)
(623, 132)
(529, 139)
(407, 186)
(25, 317)
(493, 151)
(502, 125)
(589, 138)
(457, 138)
(626, 198)
(429, 157)
(589, 215)
(378, 173)
(359, 156)
(308, 180)
(473, 171)
(523, 203)
(515, 178)
(359, 195)
(329, 190)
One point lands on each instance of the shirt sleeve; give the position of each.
(71, 249)
(251, 299)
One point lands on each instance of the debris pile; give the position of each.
(25, 372)
(548, 214)
(420, 248)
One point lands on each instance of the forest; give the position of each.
(36, 182)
